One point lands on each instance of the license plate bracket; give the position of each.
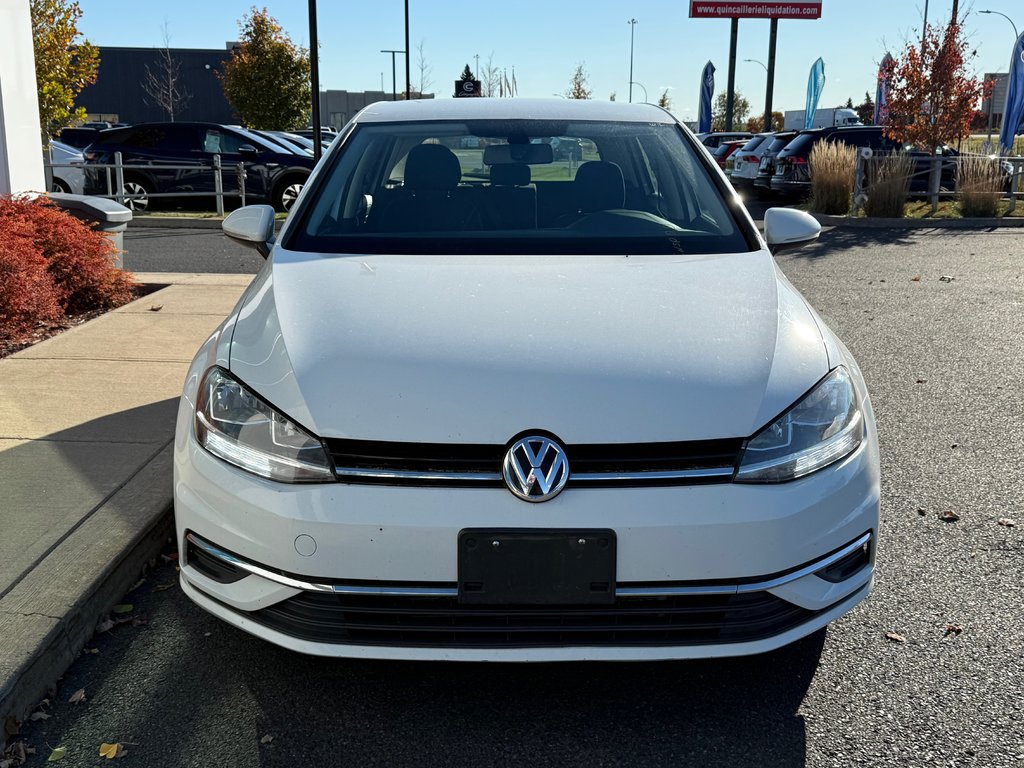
(536, 567)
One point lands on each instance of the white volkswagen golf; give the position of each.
(488, 401)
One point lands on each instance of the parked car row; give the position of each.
(170, 158)
(777, 165)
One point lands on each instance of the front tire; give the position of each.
(287, 192)
(136, 194)
(60, 186)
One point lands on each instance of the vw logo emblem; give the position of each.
(535, 468)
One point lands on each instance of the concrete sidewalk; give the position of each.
(86, 432)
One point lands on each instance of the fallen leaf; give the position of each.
(171, 558)
(206, 634)
(162, 587)
(104, 626)
(922, 511)
(916, 279)
(896, 638)
(954, 629)
(136, 585)
(38, 716)
(948, 516)
(266, 739)
(57, 754)
(92, 650)
(922, 381)
(156, 307)
(123, 608)
(947, 279)
(1006, 522)
(44, 704)
(77, 697)
(108, 751)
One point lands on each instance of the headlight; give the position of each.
(822, 428)
(235, 425)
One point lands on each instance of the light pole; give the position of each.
(642, 86)
(394, 73)
(314, 79)
(924, 28)
(632, 29)
(756, 61)
(1000, 13)
(408, 74)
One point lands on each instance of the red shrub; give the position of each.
(27, 296)
(80, 260)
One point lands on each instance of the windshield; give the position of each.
(519, 186)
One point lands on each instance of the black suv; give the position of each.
(766, 169)
(273, 174)
(792, 166)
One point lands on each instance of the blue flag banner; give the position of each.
(707, 91)
(1014, 110)
(882, 93)
(815, 85)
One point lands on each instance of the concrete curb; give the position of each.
(54, 610)
(866, 223)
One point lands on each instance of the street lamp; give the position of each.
(1000, 13)
(394, 75)
(755, 61)
(642, 86)
(632, 29)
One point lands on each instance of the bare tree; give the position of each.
(163, 87)
(578, 85)
(424, 67)
(490, 77)
(612, 97)
(664, 101)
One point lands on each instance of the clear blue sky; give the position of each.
(544, 40)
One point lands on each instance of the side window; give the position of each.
(179, 138)
(222, 142)
(146, 137)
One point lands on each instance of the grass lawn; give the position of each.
(949, 209)
(975, 144)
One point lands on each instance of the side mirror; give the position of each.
(253, 226)
(786, 229)
(248, 149)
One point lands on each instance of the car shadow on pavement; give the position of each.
(728, 712)
(839, 239)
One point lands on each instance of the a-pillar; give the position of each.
(21, 157)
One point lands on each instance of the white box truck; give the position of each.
(823, 118)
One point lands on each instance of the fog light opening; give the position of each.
(843, 569)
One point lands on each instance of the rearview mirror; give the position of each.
(248, 149)
(253, 226)
(530, 154)
(786, 229)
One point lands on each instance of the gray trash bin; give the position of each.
(102, 214)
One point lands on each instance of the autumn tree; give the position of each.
(266, 81)
(740, 111)
(866, 110)
(756, 124)
(932, 94)
(162, 85)
(65, 63)
(578, 84)
(664, 101)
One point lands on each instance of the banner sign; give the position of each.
(882, 92)
(732, 9)
(815, 85)
(1014, 110)
(707, 91)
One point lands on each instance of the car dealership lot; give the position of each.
(944, 361)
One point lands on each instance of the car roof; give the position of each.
(511, 109)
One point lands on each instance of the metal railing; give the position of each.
(115, 179)
(933, 171)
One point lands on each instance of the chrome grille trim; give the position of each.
(449, 591)
(632, 477)
(411, 475)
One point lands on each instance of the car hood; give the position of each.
(479, 349)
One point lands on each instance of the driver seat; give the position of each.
(598, 186)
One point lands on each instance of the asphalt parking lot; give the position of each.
(936, 320)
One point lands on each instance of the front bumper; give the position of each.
(704, 570)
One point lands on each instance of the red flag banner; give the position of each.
(733, 9)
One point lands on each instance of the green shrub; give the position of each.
(888, 185)
(833, 165)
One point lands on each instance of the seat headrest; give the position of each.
(510, 175)
(432, 167)
(600, 186)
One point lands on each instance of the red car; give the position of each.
(725, 151)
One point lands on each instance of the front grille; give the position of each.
(454, 464)
(443, 622)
